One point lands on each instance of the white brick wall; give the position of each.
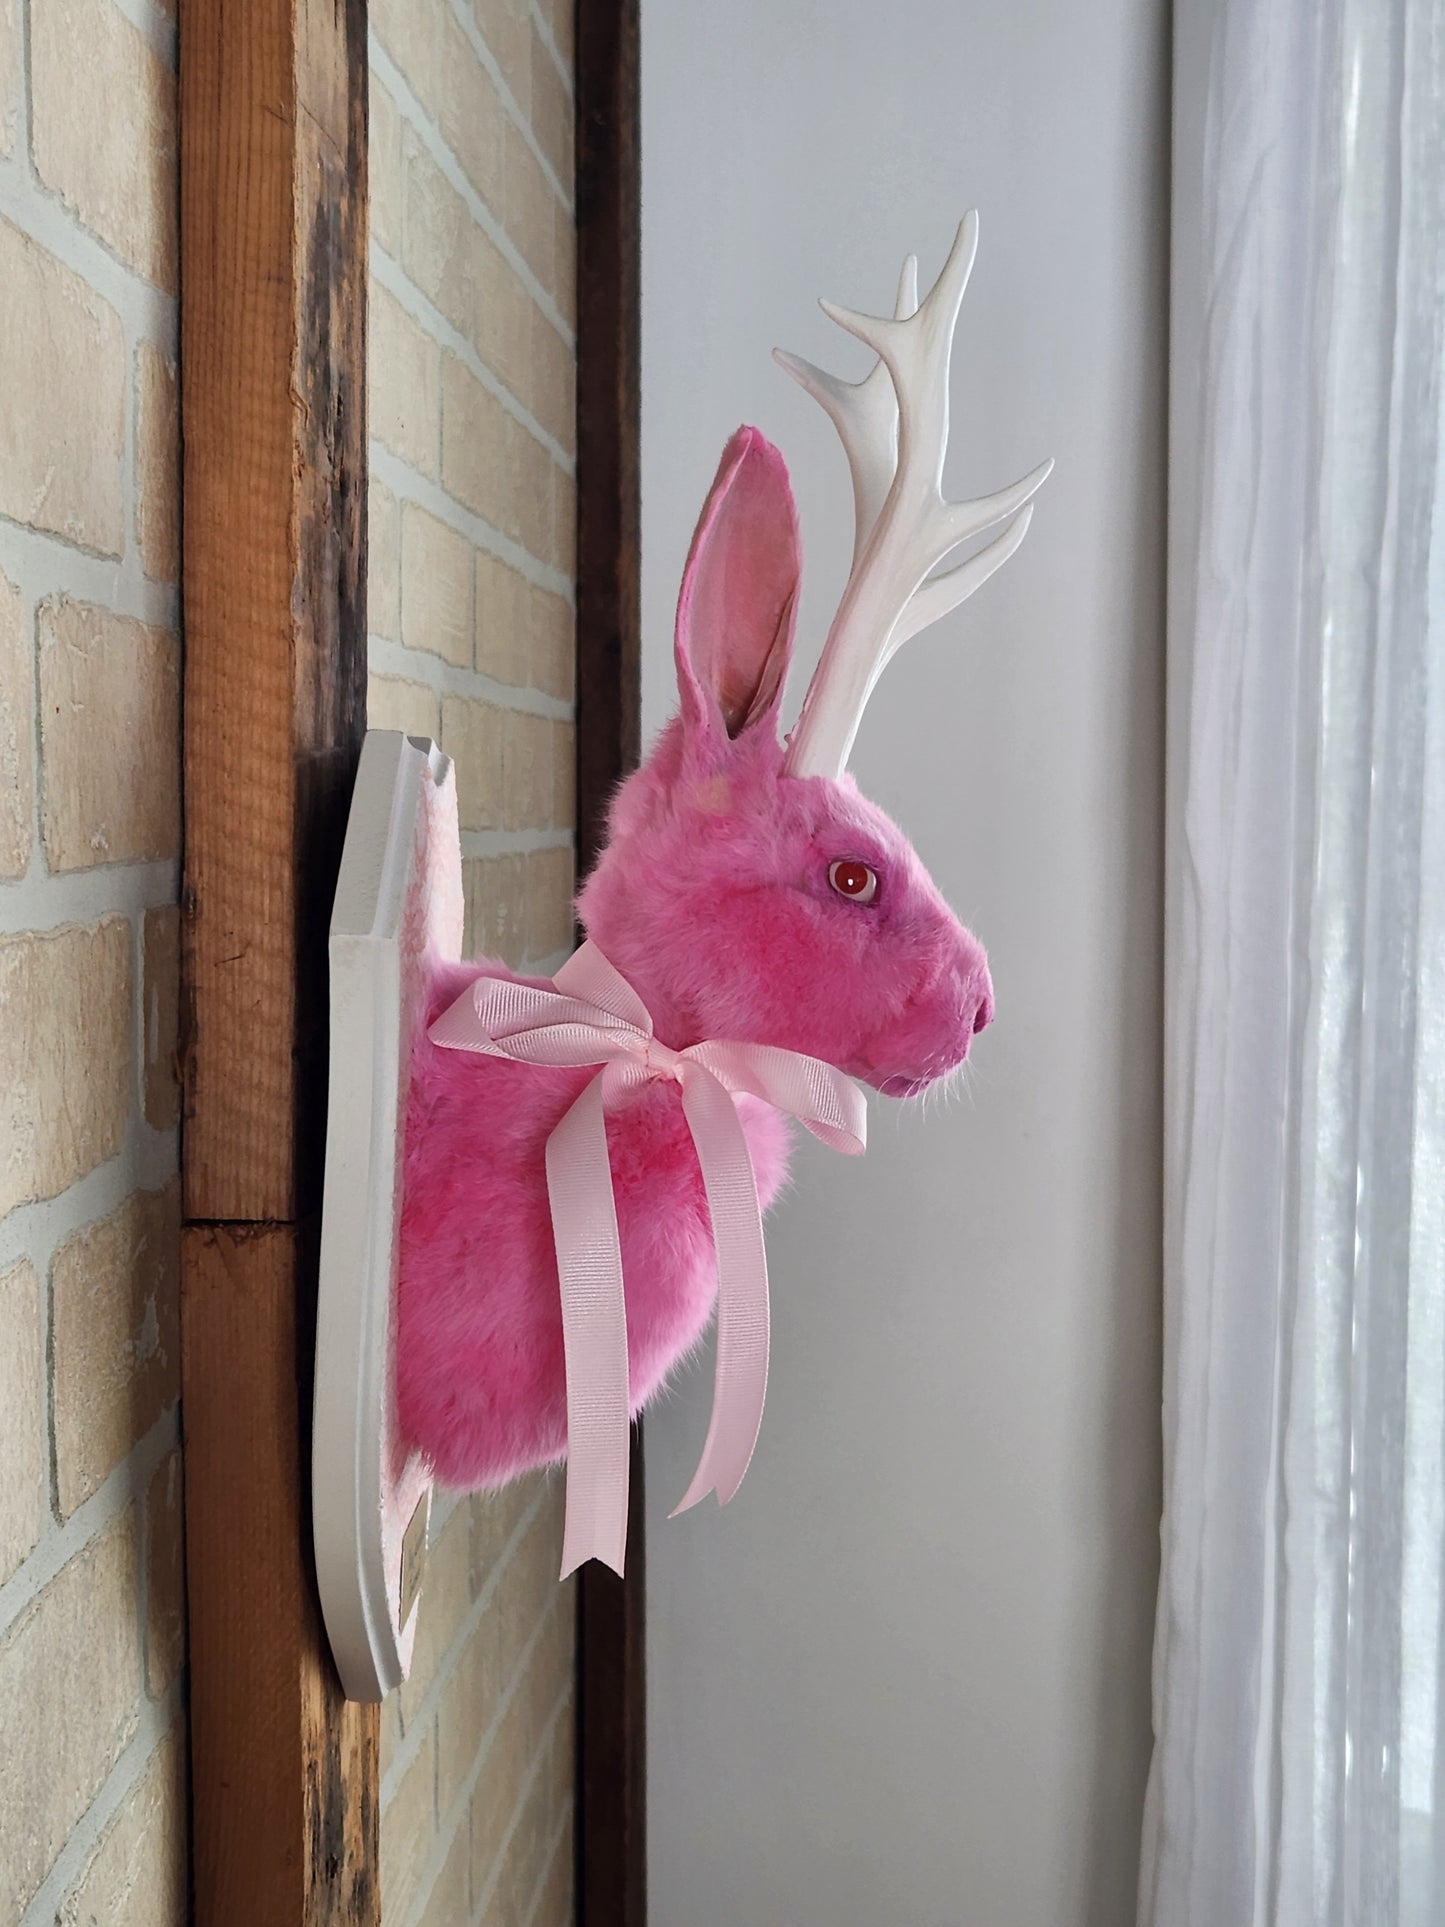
(92, 1762)
(472, 538)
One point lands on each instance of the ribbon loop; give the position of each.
(592, 1015)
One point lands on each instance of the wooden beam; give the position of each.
(611, 1630)
(273, 370)
(609, 389)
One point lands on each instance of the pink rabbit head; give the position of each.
(745, 902)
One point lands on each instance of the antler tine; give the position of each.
(903, 525)
(940, 594)
(865, 414)
(916, 349)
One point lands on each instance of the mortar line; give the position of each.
(157, 27)
(60, 1543)
(155, 1721)
(44, 900)
(513, 106)
(415, 1728)
(39, 213)
(559, 60)
(557, 1713)
(388, 273)
(398, 86)
(147, 1160)
(443, 678)
(559, 1830)
(408, 484)
(42, 563)
(514, 842)
(461, 1805)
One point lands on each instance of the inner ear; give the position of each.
(739, 593)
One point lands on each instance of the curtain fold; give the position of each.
(1299, 1768)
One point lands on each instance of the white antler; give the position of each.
(894, 430)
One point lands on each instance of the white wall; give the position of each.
(904, 1677)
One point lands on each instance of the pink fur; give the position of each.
(713, 899)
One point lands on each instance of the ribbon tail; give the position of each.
(741, 1383)
(594, 1334)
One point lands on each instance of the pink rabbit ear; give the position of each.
(739, 595)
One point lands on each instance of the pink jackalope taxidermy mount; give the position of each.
(747, 893)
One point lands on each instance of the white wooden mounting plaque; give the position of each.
(398, 900)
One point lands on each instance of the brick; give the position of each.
(558, 16)
(550, 884)
(499, 909)
(528, 1855)
(22, 1443)
(444, 1603)
(556, 1903)
(564, 263)
(408, 1828)
(529, 201)
(473, 736)
(553, 628)
(138, 1871)
(165, 1576)
(393, 702)
(383, 562)
(561, 1767)
(563, 522)
(552, 391)
(439, 252)
(69, 1704)
(518, 1772)
(390, 1734)
(9, 75)
(383, 169)
(506, 26)
(17, 756)
(116, 1338)
(564, 776)
(470, 1705)
(410, 32)
(492, 464)
(526, 771)
(65, 1056)
(494, 1798)
(495, 1517)
(504, 321)
(503, 612)
(160, 1013)
(109, 737)
(157, 464)
(471, 115)
(552, 113)
(404, 378)
(447, 1904)
(62, 399)
(473, 443)
(436, 587)
(555, 1655)
(114, 167)
(526, 1592)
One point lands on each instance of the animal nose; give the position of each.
(983, 1006)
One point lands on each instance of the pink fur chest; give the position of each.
(480, 1380)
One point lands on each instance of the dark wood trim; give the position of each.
(609, 488)
(273, 367)
(611, 1637)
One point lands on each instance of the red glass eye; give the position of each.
(853, 880)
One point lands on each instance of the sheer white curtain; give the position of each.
(1299, 1768)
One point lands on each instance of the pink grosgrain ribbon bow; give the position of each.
(593, 1016)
